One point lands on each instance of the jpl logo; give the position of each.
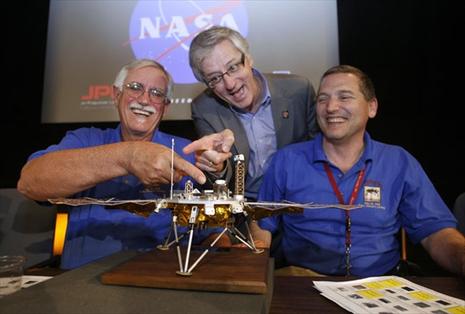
(162, 30)
(96, 92)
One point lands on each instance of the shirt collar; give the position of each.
(155, 135)
(320, 156)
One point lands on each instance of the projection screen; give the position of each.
(89, 41)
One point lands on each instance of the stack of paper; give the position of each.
(388, 294)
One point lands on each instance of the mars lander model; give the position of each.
(210, 208)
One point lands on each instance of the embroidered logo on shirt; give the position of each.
(285, 114)
(372, 195)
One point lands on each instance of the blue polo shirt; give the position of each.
(93, 231)
(395, 193)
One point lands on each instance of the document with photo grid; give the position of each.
(388, 294)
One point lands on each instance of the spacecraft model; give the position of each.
(210, 208)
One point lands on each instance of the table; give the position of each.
(80, 291)
(297, 295)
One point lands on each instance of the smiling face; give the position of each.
(140, 116)
(342, 109)
(240, 88)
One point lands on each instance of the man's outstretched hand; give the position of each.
(211, 151)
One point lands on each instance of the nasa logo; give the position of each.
(163, 30)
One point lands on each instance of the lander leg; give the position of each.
(167, 244)
(246, 240)
(184, 268)
(236, 208)
(189, 272)
(194, 213)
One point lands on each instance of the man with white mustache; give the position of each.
(127, 162)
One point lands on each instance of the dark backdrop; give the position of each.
(411, 51)
(409, 48)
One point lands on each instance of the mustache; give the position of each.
(139, 106)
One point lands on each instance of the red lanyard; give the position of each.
(340, 198)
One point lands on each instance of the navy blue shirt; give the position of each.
(395, 193)
(93, 231)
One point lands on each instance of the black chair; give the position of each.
(26, 228)
(406, 267)
(459, 212)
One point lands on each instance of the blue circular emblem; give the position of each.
(162, 30)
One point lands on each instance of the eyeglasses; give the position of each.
(233, 70)
(136, 89)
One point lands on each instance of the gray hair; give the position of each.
(141, 63)
(206, 40)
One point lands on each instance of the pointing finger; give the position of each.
(197, 145)
(220, 142)
(189, 169)
(228, 140)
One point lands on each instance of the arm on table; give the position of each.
(447, 248)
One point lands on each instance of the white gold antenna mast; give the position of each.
(172, 168)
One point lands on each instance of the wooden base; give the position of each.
(226, 270)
